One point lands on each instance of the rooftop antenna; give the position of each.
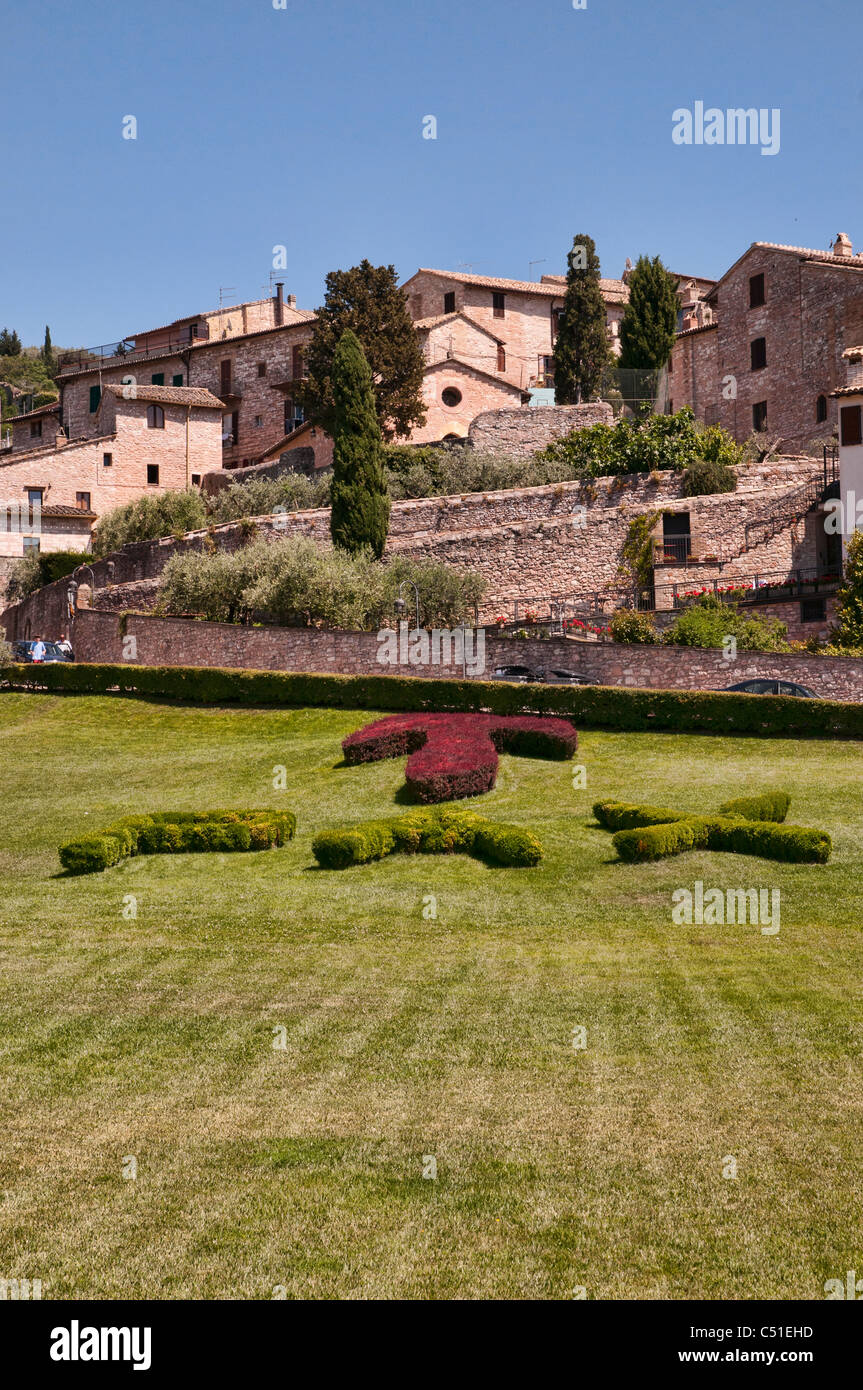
(466, 265)
(273, 281)
(533, 263)
(223, 290)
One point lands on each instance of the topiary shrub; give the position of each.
(178, 832)
(455, 755)
(772, 806)
(749, 825)
(439, 831)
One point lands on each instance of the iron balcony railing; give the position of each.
(110, 355)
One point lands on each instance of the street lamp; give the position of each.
(400, 605)
(71, 594)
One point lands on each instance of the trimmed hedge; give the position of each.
(177, 832)
(624, 815)
(601, 707)
(455, 755)
(772, 806)
(792, 843)
(438, 831)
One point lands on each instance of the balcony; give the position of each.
(113, 355)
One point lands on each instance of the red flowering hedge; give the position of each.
(455, 755)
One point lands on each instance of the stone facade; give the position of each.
(774, 354)
(523, 432)
(98, 637)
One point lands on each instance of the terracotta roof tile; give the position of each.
(168, 395)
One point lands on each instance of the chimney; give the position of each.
(842, 246)
(854, 357)
(279, 304)
(292, 301)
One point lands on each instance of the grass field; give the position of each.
(260, 1168)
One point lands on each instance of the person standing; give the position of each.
(39, 651)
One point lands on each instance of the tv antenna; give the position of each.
(532, 264)
(223, 290)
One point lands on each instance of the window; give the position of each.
(813, 610)
(82, 501)
(34, 496)
(259, 420)
(225, 378)
(31, 545)
(451, 396)
(152, 472)
(235, 426)
(262, 369)
(107, 460)
(95, 397)
(157, 379)
(676, 538)
(449, 302)
(501, 357)
(35, 429)
(155, 417)
(177, 380)
(757, 295)
(759, 416)
(821, 410)
(196, 480)
(758, 354)
(299, 370)
(851, 425)
(498, 304)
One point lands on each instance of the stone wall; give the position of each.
(523, 431)
(98, 637)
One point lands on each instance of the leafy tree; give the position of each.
(581, 350)
(649, 323)
(359, 501)
(148, 518)
(849, 610)
(709, 621)
(10, 343)
(641, 445)
(367, 300)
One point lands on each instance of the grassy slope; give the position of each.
(303, 1168)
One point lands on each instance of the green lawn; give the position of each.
(303, 1168)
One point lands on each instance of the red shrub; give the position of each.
(455, 755)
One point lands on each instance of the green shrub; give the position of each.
(625, 815)
(771, 806)
(629, 625)
(177, 832)
(795, 844)
(641, 445)
(438, 830)
(704, 477)
(148, 518)
(709, 621)
(38, 568)
(598, 707)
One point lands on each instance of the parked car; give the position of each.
(516, 673)
(23, 651)
(565, 678)
(772, 687)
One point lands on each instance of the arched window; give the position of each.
(451, 396)
(821, 410)
(155, 417)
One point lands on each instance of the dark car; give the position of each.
(23, 651)
(565, 678)
(515, 673)
(772, 687)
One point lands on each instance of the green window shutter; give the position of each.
(177, 380)
(95, 397)
(158, 379)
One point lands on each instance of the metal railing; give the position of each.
(117, 354)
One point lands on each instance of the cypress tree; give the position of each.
(581, 350)
(649, 323)
(47, 353)
(359, 502)
(849, 599)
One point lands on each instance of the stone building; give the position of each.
(144, 439)
(763, 348)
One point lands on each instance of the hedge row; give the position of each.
(438, 831)
(624, 815)
(455, 755)
(792, 843)
(177, 832)
(606, 707)
(772, 806)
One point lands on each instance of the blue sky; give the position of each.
(303, 127)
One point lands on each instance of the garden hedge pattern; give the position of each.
(444, 830)
(177, 832)
(601, 707)
(455, 755)
(748, 825)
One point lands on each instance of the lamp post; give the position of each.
(71, 594)
(400, 605)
